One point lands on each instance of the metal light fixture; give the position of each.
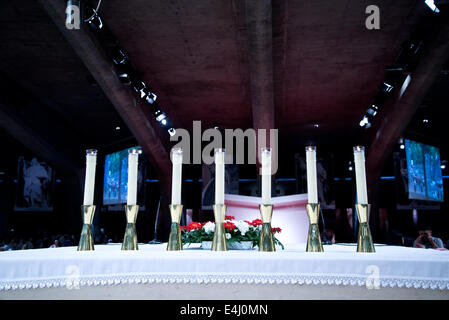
(432, 6)
(372, 110)
(365, 122)
(171, 131)
(119, 57)
(150, 97)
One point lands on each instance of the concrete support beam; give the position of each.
(130, 109)
(259, 23)
(399, 113)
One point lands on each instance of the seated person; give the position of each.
(425, 240)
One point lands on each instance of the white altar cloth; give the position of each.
(340, 265)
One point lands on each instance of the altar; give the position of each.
(151, 272)
(289, 214)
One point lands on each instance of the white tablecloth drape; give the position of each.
(390, 266)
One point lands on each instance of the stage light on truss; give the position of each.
(432, 6)
(139, 86)
(171, 131)
(150, 97)
(387, 87)
(402, 146)
(391, 68)
(95, 22)
(119, 57)
(372, 110)
(407, 81)
(160, 115)
(124, 77)
(365, 122)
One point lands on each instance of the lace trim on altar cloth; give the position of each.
(105, 280)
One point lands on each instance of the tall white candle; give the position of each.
(133, 161)
(312, 187)
(360, 175)
(266, 175)
(219, 176)
(176, 157)
(89, 185)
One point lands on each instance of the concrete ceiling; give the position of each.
(36, 55)
(195, 54)
(326, 65)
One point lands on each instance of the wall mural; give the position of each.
(35, 184)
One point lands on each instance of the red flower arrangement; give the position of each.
(256, 222)
(193, 226)
(236, 231)
(229, 226)
(276, 230)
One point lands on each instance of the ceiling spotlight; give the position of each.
(372, 110)
(119, 57)
(139, 86)
(160, 116)
(405, 85)
(365, 122)
(124, 77)
(117, 128)
(387, 87)
(415, 46)
(402, 147)
(443, 166)
(95, 22)
(394, 68)
(151, 97)
(316, 125)
(425, 120)
(164, 122)
(172, 131)
(431, 5)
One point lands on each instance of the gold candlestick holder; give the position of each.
(266, 242)
(174, 240)
(130, 238)
(313, 237)
(364, 239)
(86, 239)
(219, 241)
